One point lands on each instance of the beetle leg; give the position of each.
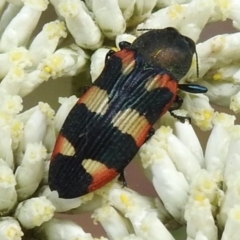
(182, 119)
(175, 106)
(122, 179)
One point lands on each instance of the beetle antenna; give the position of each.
(145, 29)
(197, 66)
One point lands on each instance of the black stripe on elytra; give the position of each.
(71, 179)
(68, 177)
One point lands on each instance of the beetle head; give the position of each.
(168, 49)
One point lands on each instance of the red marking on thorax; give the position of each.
(125, 53)
(127, 56)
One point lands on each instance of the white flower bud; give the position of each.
(140, 210)
(109, 17)
(235, 102)
(206, 184)
(50, 136)
(199, 110)
(24, 116)
(142, 10)
(20, 28)
(61, 205)
(183, 17)
(113, 223)
(20, 57)
(68, 61)
(231, 199)
(98, 62)
(30, 172)
(126, 200)
(199, 219)
(16, 128)
(66, 105)
(61, 229)
(45, 43)
(218, 142)
(148, 226)
(11, 104)
(166, 3)
(10, 229)
(34, 212)
(6, 152)
(124, 37)
(127, 8)
(166, 179)
(222, 93)
(14, 61)
(224, 73)
(232, 165)
(37, 4)
(46, 110)
(32, 81)
(35, 128)
(8, 193)
(79, 22)
(181, 156)
(89, 203)
(13, 80)
(217, 52)
(5, 64)
(17, 80)
(10, 12)
(184, 132)
(232, 226)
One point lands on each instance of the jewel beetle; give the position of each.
(114, 117)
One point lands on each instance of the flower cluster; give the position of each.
(195, 189)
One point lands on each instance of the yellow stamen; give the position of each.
(217, 77)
